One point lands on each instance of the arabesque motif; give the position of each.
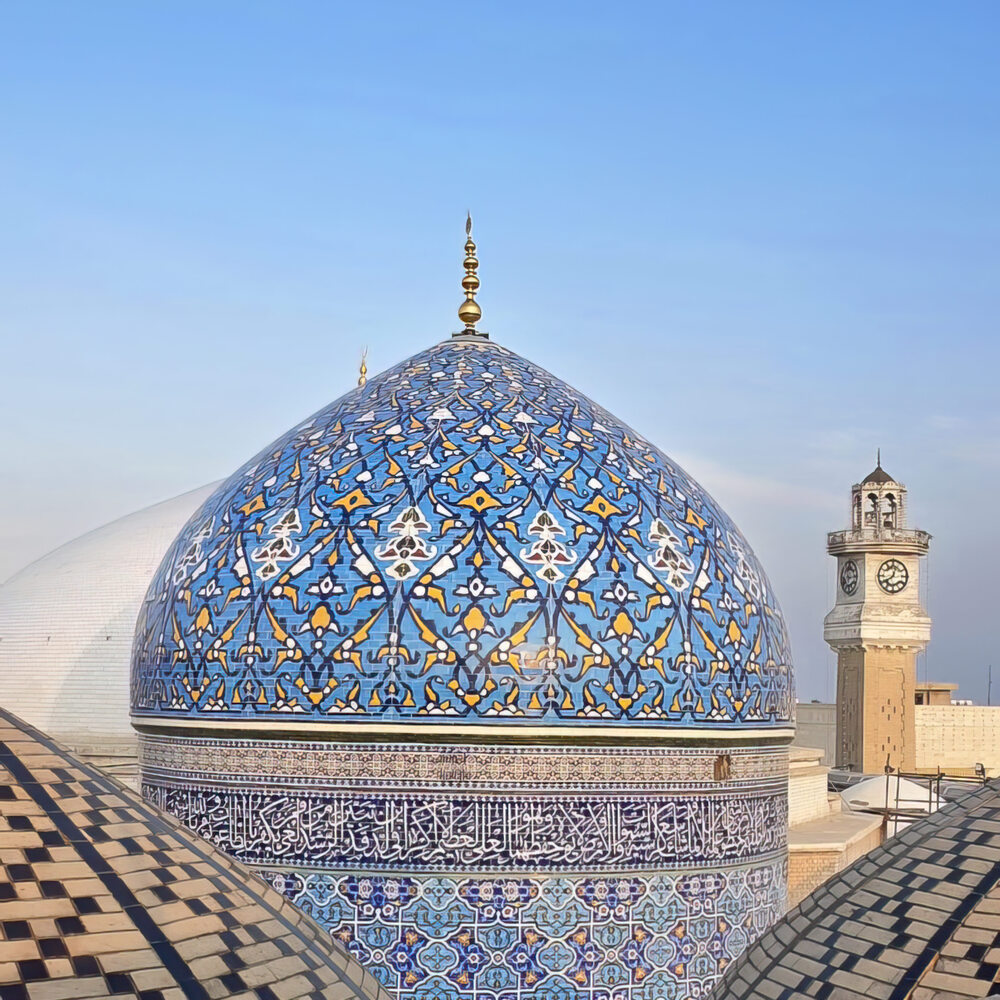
(465, 538)
(489, 937)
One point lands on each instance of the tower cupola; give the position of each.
(878, 504)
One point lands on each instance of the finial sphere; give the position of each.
(469, 312)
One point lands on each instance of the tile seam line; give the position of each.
(937, 940)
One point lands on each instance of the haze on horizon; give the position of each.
(766, 236)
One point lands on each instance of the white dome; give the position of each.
(66, 627)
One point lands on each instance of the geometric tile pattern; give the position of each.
(102, 895)
(502, 872)
(486, 937)
(916, 918)
(465, 539)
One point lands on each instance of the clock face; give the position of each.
(849, 577)
(892, 576)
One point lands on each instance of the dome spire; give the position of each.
(363, 370)
(469, 312)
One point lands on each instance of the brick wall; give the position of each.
(809, 869)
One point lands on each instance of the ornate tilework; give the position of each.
(444, 832)
(638, 937)
(205, 762)
(563, 881)
(465, 538)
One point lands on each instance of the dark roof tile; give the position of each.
(116, 944)
(918, 917)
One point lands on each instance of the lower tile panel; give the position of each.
(656, 936)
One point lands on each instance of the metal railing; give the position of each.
(913, 535)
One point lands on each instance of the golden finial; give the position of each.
(363, 371)
(469, 312)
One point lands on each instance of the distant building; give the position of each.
(816, 726)
(952, 734)
(957, 737)
(877, 627)
(935, 693)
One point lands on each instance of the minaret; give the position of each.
(877, 627)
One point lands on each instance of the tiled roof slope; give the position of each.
(103, 895)
(917, 918)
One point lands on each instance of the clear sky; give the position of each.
(764, 234)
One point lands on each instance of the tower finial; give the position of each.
(878, 458)
(469, 312)
(363, 370)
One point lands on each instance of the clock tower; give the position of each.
(877, 627)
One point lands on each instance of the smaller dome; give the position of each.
(878, 477)
(107, 896)
(66, 627)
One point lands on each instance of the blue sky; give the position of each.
(765, 235)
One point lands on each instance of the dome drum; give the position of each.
(500, 870)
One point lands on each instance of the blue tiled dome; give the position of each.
(465, 538)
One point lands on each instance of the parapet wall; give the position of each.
(807, 793)
(957, 737)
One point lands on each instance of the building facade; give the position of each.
(877, 627)
(483, 681)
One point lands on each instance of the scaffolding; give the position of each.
(941, 788)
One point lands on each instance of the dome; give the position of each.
(918, 917)
(483, 682)
(101, 895)
(66, 626)
(464, 539)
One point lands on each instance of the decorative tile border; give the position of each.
(503, 872)
(423, 831)
(293, 762)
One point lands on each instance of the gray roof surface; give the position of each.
(103, 895)
(917, 918)
(878, 475)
